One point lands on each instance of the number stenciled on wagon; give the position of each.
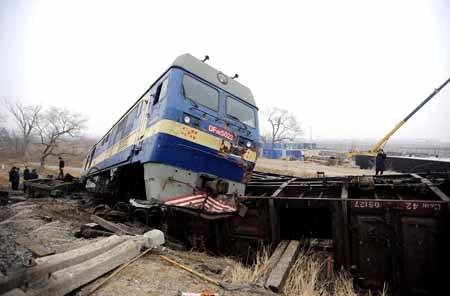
(367, 204)
(412, 206)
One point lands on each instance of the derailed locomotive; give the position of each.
(194, 134)
(194, 129)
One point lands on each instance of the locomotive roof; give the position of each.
(214, 76)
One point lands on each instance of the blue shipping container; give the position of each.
(272, 153)
(297, 154)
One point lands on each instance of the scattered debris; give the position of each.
(36, 248)
(202, 276)
(117, 228)
(50, 187)
(49, 264)
(118, 270)
(47, 218)
(197, 294)
(153, 238)
(68, 271)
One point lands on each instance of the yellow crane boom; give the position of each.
(380, 144)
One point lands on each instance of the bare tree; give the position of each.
(4, 140)
(26, 118)
(54, 127)
(284, 125)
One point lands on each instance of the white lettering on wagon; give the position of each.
(367, 204)
(433, 206)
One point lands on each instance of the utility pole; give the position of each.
(310, 137)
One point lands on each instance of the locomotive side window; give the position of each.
(241, 112)
(200, 93)
(161, 92)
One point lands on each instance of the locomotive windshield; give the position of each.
(200, 93)
(241, 112)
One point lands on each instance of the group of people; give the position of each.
(14, 176)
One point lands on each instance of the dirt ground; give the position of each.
(308, 168)
(149, 275)
(30, 219)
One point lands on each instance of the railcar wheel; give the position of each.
(122, 207)
(101, 209)
(155, 216)
(140, 215)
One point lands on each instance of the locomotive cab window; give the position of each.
(161, 92)
(240, 111)
(200, 93)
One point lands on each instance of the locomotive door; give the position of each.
(144, 117)
(155, 98)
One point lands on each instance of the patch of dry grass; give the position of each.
(343, 285)
(305, 276)
(241, 274)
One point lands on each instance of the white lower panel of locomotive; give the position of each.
(164, 182)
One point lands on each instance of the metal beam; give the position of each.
(432, 187)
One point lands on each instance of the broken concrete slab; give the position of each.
(46, 265)
(68, 279)
(15, 292)
(153, 238)
(35, 247)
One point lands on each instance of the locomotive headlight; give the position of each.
(249, 144)
(187, 119)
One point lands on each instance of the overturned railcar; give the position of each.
(391, 230)
(194, 129)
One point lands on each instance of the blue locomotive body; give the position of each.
(193, 123)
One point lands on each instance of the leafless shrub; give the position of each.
(55, 126)
(25, 118)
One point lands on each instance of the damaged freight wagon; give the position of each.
(385, 229)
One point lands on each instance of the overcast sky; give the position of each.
(349, 69)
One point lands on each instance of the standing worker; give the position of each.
(26, 177)
(379, 162)
(61, 168)
(16, 179)
(12, 172)
(33, 174)
(26, 173)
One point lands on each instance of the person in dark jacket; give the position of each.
(26, 173)
(12, 171)
(26, 176)
(379, 162)
(61, 168)
(33, 174)
(15, 179)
